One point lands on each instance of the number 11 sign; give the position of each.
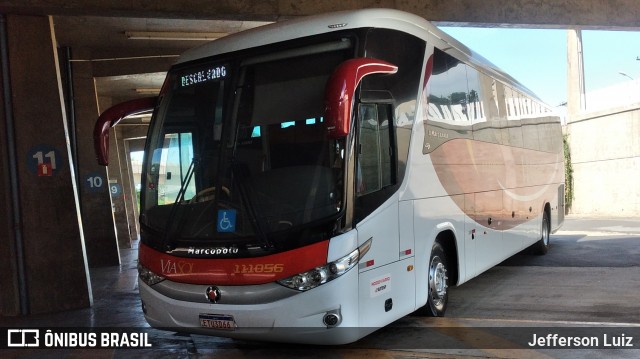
(44, 160)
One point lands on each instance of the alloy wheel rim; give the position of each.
(437, 281)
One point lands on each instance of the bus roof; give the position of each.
(329, 22)
(307, 26)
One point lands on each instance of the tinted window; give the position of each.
(374, 163)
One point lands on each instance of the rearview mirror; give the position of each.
(111, 117)
(341, 88)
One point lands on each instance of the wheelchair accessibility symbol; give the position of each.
(226, 220)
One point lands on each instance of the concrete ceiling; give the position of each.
(557, 13)
(128, 68)
(109, 32)
(95, 30)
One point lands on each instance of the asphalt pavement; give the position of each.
(589, 242)
(588, 281)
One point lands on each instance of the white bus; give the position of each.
(336, 173)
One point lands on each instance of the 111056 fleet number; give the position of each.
(258, 268)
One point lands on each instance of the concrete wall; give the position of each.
(52, 262)
(605, 152)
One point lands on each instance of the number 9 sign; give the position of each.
(115, 189)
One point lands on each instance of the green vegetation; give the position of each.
(568, 174)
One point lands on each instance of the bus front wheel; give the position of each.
(438, 289)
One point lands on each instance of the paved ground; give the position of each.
(590, 242)
(588, 284)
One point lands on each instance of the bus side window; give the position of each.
(375, 163)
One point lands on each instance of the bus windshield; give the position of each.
(238, 149)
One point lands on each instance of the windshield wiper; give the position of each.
(170, 228)
(239, 175)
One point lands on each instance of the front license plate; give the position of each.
(217, 321)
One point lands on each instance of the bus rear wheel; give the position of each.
(438, 288)
(541, 247)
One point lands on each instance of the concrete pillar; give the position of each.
(125, 184)
(133, 144)
(48, 228)
(130, 194)
(575, 74)
(95, 202)
(124, 199)
(9, 224)
(116, 145)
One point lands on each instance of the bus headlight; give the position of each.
(148, 276)
(330, 271)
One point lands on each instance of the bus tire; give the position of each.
(437, 286)
(541, 247)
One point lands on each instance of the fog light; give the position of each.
(147, 276)
(144, 307)
(331, 319)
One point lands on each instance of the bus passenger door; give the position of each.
(386, 288)
(375, 213)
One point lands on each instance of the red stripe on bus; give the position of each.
(234, 271)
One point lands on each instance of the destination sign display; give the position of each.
(200, 75)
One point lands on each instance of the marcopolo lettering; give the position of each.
(212, 251)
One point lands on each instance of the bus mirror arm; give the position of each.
(341, 89)
(111, 117)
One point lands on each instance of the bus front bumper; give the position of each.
(300, 318)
